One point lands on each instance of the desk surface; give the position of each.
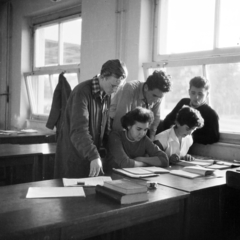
(27, 138)
(66, 218)
(11, 150)
(186, 184)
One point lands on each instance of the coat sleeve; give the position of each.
(79, 125)
(154, 151)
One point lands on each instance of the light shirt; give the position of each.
(171, 144)
(127, 98)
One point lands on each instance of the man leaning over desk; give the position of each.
(85, 123)
(148, 94)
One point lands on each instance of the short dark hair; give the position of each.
(199, 82)
(114, 67)
(190, 117)
(139, 114)
(159, 80)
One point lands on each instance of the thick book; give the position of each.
(120, 197)
(125, 186)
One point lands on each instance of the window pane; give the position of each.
(71, 33)
(229, 23)
(40, 94)
(46, 46)
(72, 79)
(180, 77)
(186, 26)
(224, 93)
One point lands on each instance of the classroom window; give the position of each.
(196, 28)
(200, 37)
(57, 44)
(41, 89)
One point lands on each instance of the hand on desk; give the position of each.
(188, 158)
(95, 167)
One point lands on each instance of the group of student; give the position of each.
(113, 123)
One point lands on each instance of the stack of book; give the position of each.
(123, 191)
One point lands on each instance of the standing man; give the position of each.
(134, 94)
(83, 130)
(198, 92)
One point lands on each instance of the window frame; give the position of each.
(43, 117)
(37, 25)
(41, 20)
(216, 52)
(215, 56)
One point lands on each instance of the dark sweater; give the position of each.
(122, 152)
(209, 133)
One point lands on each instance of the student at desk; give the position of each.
(131, 147)
(177, 140)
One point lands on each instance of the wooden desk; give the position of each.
(28, 138)
(34, 155)
(80, 218)
(205, 204)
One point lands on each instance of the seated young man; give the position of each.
(177, 140)
(198, 92)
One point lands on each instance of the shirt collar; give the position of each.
(172, 135)
(96, 88)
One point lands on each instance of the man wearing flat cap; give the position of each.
(85, 123)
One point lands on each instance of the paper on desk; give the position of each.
(29, 130)
(93, 181)
(51, 192)
(129, 174)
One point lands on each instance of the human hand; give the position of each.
(189, 158)
(95, 167)
(174, 158)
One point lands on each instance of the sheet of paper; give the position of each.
(29, 130)
(156, 169)
(136, 170)
(52, 192)
(182, 173)
(93, 181)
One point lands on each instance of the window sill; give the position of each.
(39, 125)
(220, 150)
